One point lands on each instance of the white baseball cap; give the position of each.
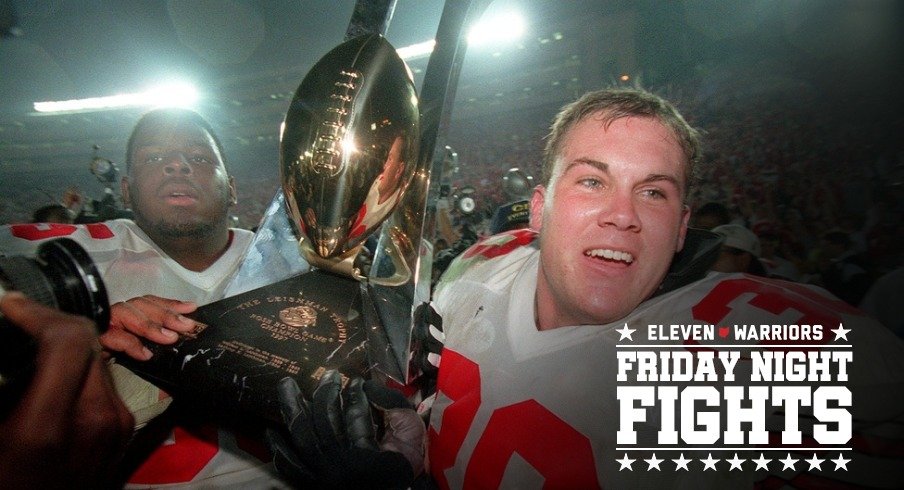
(736, 236)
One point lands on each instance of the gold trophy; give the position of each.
(348, 150)
(348, 155)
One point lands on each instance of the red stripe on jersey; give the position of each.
(518, 238)
(42, 231)
(181, 460)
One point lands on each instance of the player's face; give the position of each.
(178, 185)
(610, 221)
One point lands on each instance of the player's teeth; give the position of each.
(612, 255)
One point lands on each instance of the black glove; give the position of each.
(333, 440)
(428, 336)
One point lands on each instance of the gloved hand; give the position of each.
(429, 336)
(332, 440)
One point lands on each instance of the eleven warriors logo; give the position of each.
(703, 401)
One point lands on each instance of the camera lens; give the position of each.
(61, 275)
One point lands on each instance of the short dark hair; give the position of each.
(46, 213)
(170, 115)
(716, 209)
(616, 103)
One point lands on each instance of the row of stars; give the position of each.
(626, 333)
(709, 463)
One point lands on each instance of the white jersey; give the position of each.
(522, 408)
(131, 265)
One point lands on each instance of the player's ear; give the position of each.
(682, 231)
(536, 207)
(124, 190)
(233, 195)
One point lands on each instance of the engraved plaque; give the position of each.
(298, 327)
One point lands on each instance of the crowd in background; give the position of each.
(816, 187)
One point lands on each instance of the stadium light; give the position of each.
(497, 29)
(174, 94)
(418, 50)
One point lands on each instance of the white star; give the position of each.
(709, 463)
(735, 462)
(788, 463)
(841, 332)
(626, 332)
(654, 463)
(681, 462)
(815, 462)
(626, 463)
(841, 462)
(762, 463)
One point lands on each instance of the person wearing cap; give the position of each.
(515, 214)
(774, 264)
(740, 251)
(845, 271)
(710, 215)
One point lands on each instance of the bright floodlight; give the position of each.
(176, 94)
(418, 50)
(499, 28)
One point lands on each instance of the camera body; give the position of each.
(61, 275)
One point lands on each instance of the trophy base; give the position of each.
(298, 327)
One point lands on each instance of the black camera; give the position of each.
(61, 275)
(464, 200)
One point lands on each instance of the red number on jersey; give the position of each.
(775, 298)
(42, 231)
(463, 388)
(556, 450)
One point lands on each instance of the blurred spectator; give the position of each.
(710, 215)
(52, 213)
(439, 245)
(883, 301)
(843, 272)
(514, 214)
(443, 258)
(740, 251)
(73, 200)
(772, 260)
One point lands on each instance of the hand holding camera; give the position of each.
(67, 414)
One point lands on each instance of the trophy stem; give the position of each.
(414, 218)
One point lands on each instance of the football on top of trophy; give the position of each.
(348, 146)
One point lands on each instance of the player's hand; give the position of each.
(69, 428)
(154, 318)
(429, 339)
(332, 442)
